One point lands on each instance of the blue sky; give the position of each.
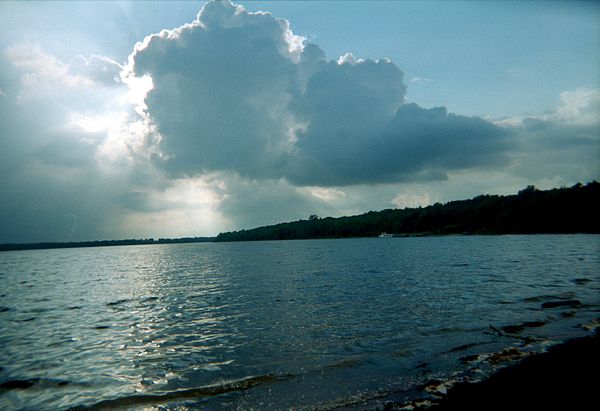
(485, 58)
(195, 132)
(520, 55)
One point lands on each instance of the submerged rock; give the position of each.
(508, 354)
(437, 387)
(464, 347)
(17, 384)
(592, 325)
(469, 358)
(412, 405)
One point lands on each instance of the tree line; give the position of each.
(530, 211)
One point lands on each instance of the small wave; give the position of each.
(118, 302)
(348, 362)
(465, 347)
(517, 328)
(450, 330)
(199, 392)
(562, 296)
(38, 310)
(59, 343)
(562, 303)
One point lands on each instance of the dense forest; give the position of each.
(530, 211)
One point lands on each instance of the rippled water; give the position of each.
(308, 324)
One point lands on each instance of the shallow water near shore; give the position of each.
(314, 324)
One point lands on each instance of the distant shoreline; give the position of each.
(151, 241)
(571, 210)
(101, 243)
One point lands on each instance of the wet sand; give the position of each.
(565, 377)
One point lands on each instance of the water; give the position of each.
(314, 324)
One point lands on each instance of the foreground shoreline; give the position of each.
(564, 377)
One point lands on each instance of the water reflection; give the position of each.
(176, 321)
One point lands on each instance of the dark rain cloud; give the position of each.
(417, 144)
(557, 150)
(51, 185)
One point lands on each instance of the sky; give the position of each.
(172, 119)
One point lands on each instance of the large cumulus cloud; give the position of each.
(239, 92)
(221, 87)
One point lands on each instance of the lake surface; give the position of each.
(314, 324)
